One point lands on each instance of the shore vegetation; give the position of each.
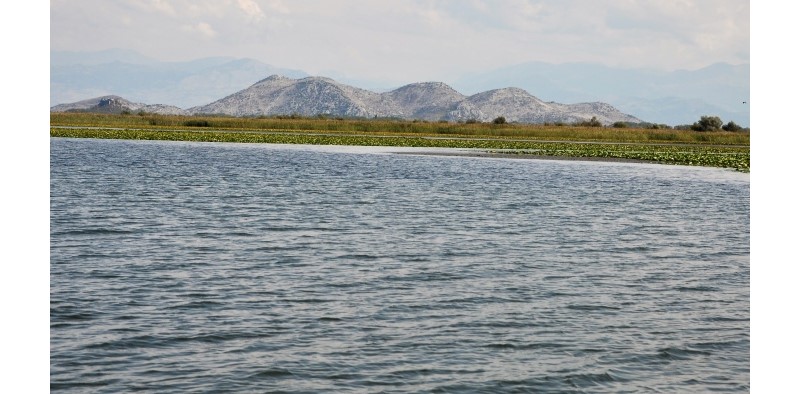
(669, 146)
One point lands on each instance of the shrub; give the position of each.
(731, 126)
(620, 125)
(499, 120)
(196, 123)
(590, 123)
(707, 123)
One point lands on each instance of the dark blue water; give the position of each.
(200, 267)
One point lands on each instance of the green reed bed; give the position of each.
(401, 128)
(713, 156)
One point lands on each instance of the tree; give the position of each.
(589, 123)
(707, 123)
(499, 120)
(731, 127)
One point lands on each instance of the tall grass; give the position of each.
(403, 128)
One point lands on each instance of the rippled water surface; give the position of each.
(201, 267)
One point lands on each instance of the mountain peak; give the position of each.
(317, 78)
(272, 78)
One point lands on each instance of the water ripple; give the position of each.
(186, 267)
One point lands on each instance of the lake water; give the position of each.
(204, 267)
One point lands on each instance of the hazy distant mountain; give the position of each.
(77, 75)
(676, 97)
(115, 105)
(432, 101)
(67, 58)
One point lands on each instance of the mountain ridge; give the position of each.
(671, 97)
(317, 95)
(116, 104)
(660, 96)
(432, 101)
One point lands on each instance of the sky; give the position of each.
(412, 39)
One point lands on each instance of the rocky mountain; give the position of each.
(671, 97)
(278, 95)
(431, 101)
(426, 100)
(115, 105)
(517, 105)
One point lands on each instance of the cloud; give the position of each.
(155, 6)
(251, 8)
(277, 6)
(414, 39)
(203, 28)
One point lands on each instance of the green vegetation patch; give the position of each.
(699, 155)
(499, 129)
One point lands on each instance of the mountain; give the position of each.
(517, 105)
(77, 75)
(425, 100)
(278, 95)
(671, 97)
(115, 105)
(69, 58)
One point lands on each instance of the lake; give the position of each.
(211, 267)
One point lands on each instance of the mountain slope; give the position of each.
(517, 105)
(115, 105)
(431, 101)
(425, 100)
(278, 95)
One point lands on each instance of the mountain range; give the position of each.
(432, 101)
(671, 97)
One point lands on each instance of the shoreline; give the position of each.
(731, 157)
(523, 156)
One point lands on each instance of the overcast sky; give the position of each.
(412, 39)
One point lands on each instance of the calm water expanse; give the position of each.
(202, 267)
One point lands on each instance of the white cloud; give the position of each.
(251, 8)
(157, 6)
(203, 28)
